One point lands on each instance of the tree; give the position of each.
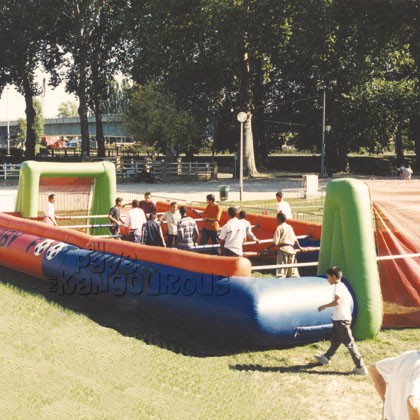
(117, 97)
(207, 53)
(89, 34)
(22, 40)
(20, 133)
(153, 118)
(67, 109)
(106, 50)
(38, 126)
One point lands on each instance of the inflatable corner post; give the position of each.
(347, 240)
(104, 186)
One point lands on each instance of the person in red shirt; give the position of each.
(147, 205)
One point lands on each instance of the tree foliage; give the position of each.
(67, 109)
(200, 62)
(90, 37)
(117, 97)
(23, 33)
(154, 119)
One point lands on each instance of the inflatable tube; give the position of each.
(348, 241)
(260, 312)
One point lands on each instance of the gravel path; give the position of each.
(254, 189)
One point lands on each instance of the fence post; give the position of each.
(179, 166)
(5, 171)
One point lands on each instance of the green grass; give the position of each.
(74, 359)
(307, 210)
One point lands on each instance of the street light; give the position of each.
(322, 85)
(8, 123)
(241, 117)
(322, 172)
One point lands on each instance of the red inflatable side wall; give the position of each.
(18, 259)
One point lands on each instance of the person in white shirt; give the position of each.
(407, 172)
(172, 217)
(341, 334)
(232, 236)
(135, 220)
(397, 381)
(283, 206)
(246, 225)
(49, 211)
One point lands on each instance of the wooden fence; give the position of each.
(142, 170)
(9, 170)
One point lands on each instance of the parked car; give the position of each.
(74, 143)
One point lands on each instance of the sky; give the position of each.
(12, 104)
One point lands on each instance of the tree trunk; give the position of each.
(83, 115)
(342, 162)
(83, 108)
(99, 126)
(30, 122)
(259, 125)
(415, 128)
(399, 147)
(250, 169)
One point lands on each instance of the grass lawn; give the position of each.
(75, 359)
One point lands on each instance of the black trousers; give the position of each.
(171, 240)
(341, 334)
(209, 234)
(228, 253)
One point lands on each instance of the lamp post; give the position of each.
(326, 162)
(322, 173)
(241, 117)
(8, 123)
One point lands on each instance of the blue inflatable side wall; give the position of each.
(265, 312)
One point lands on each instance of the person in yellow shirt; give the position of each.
(285, 239)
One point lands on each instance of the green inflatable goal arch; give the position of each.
(102, 173)
(348, 241)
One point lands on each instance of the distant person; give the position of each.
(135, 220)
(114, 216)
(285, 239)
(397, 381)
(147, 174)
(147, 205)
(187, 230)
(211, 216)
(50, 218)
(232, 236)
(246, 225)
(152, 232)
(283, 206)
(341, 317)
(406, 171)
(172, 217)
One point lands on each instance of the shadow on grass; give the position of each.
(131, 323)
(287, 369)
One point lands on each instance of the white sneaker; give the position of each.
(360, 371)
(321, 358)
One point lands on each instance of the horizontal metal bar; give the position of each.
(87, 226)
(99, 216)
(396, 257)
(274, 266)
